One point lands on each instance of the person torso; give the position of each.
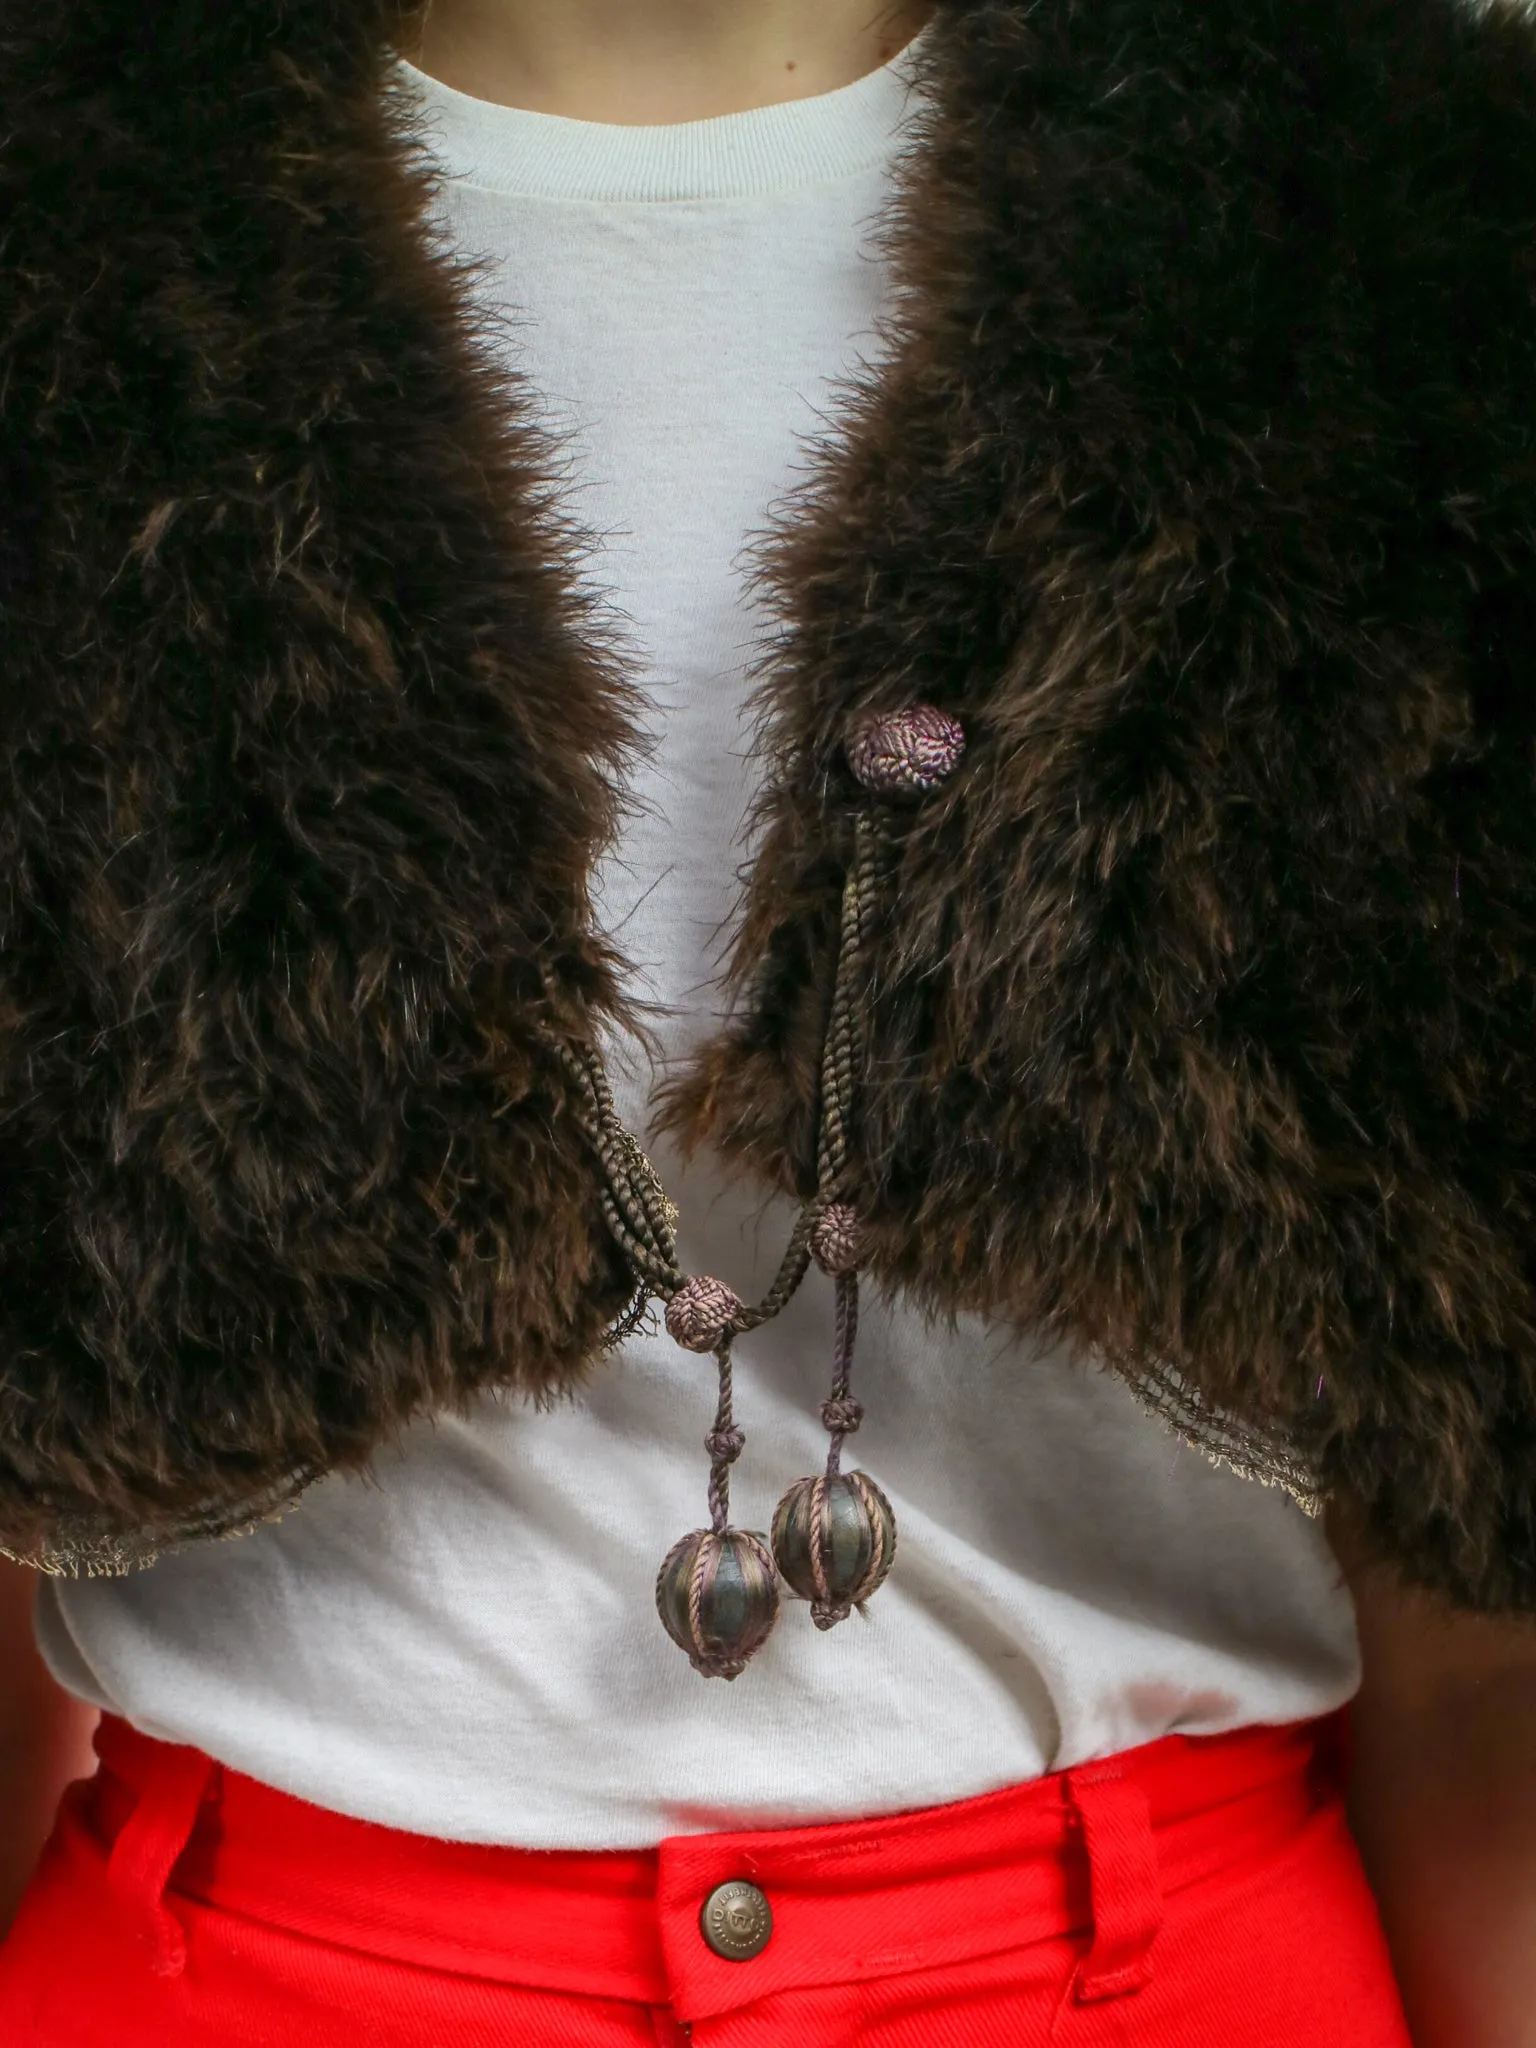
(466, 1643)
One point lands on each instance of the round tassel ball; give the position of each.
(834, 1541)
(905, 753)
(718, 1598)
(701, 1312)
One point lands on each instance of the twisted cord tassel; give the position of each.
(635, 1207)
(704, 1314)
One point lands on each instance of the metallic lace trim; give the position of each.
(80, 1546)
(1269, 1457)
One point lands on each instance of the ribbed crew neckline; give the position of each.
(729, 156)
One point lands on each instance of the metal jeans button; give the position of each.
(736, 1920)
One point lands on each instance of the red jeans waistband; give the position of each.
(1093, 1850)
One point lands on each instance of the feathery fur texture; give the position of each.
(307, 749)
(1200, 485)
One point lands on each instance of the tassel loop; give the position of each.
(834, 1536)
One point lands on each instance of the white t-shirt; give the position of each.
(467, 1645)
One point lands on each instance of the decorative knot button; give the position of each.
(835, 1240)
(905, 753)
(737, 1921)
(701, 1312)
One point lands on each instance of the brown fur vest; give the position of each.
(1201, 486)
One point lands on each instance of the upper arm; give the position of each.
(1420, 1653)
(44, 1738)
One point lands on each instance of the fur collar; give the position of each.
(1199, 487)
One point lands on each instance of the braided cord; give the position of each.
(634, 1202)
(843, 1046)
(643, 1222)
(635, 1207)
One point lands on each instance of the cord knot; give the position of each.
(835, 1240)
(701, 1312)
(842, 1415)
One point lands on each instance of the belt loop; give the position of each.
(1127, 1897)
(149, 1844)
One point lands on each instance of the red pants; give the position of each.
(1190, 1894)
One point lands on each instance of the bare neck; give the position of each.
(645, 62)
